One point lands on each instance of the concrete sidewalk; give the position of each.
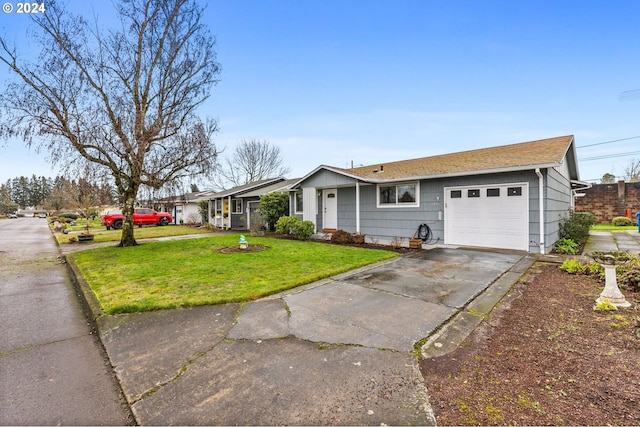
(338, 351)
(605, 241)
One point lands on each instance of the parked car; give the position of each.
(141, 216)
(13, 216)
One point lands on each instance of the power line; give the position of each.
(608, 156)
(609, 142)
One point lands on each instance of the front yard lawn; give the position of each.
(611, 227)
(192, 272)
(146, 232)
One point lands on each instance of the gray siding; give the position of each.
(557, 204)
(327, 179)
(386, 224)
(239, 221)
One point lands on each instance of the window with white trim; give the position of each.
(398, 195)
(236, 206)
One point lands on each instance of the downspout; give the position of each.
(358, 207)
(541, 207)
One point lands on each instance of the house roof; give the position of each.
(241, 189)
(526, 155)
(281, 186)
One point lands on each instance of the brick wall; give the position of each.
(607, 201)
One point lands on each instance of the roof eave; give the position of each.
(464, 173)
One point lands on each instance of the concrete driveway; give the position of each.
(338, 351)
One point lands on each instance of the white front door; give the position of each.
(330, 208)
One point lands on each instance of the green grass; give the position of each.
(146, 232)
(192, 272)
(611, 227)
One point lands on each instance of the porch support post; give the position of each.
(358, 207)
(229, 214)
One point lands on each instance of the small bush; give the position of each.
(573, 266)
(566, 246)
(69, 215)
(287, 224)
(576, 227)
(303, 230)
(342, 237)
(621, 221)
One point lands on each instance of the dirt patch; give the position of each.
(543, 357)
(248, 249)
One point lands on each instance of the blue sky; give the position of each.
(335, 82)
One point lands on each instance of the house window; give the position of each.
(473, 193)
(405, 194)
(456, 194)
(298, 201)
(493, 192)
(236, 206)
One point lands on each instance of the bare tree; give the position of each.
(122, 100)
(251, 160)
(632, 171)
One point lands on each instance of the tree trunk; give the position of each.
(127, 238)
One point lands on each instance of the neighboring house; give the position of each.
(510, 197)
(228, 209)
(185, 207)
(251, 199)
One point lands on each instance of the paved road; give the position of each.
(52, 368)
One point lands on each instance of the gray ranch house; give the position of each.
(507, 197)
(233, 208)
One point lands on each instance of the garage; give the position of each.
(493, 216)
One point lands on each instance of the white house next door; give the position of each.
(330, 208)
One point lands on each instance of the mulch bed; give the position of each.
(248, 249)
(543, 357)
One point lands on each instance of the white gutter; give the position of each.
(541, 207)
(358, 207)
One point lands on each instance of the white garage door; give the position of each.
(493, 216)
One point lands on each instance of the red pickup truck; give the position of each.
(141, 216)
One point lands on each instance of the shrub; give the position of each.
(566, 246)
(69, 215)
(287, 224)
(293, 225)
(576, 227)
(628, 275)
(621, 221)
(304, 230)
(342, 237)
(273, 206)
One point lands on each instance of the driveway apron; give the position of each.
(338, 351)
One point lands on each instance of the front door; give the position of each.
(253, 217)
(330, 209)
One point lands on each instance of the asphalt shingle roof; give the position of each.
(506, 157)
